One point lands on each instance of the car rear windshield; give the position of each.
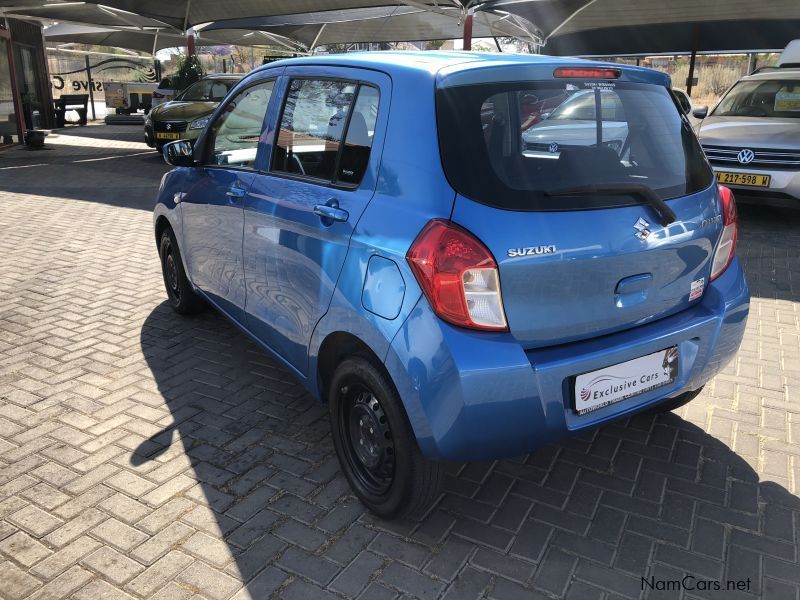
(764, 98)
(521, 145)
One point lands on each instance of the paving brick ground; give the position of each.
(145, 455)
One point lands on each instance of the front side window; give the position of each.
(317, 116)
(762, 98)
(207, 90)
(236, 132)
(523, 145)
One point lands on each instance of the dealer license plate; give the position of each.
(600, 388)
(748, 179)
(167, 136)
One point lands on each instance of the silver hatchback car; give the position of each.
(752, 137)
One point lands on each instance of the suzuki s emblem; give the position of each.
(745, 156)
(553, 148)
(642, 229)
(169, 126)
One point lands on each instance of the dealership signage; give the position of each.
(112, 69)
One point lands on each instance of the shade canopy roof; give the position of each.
(78, 12)
(379, 24)
(581, 27)
(147, 40)
(616, 27)
(182, 14)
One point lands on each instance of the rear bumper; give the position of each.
(478, 396)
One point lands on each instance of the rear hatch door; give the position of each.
(551, 176)
(567, 276)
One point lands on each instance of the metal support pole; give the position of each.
(693, 59)
(91, 87)
(497, 43)
(468, 29)
(752, 62)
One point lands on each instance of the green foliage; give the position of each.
(189, 70)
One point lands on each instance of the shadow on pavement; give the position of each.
(653, 496)
(99, 165)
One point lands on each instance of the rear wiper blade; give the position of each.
(665, 213)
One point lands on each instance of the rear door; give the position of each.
(579, 253)
(301, 212)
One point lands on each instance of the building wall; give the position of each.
(32, 78)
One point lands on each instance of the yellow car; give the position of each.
(186, 116)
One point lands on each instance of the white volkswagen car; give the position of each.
(752, 137)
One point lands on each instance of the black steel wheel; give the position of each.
(375, 444)
(181, 295)
(370, 446)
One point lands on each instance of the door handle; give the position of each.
(330, 213)
(234, 193)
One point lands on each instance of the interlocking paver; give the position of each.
(16, 583)
(23, 549)
(147, 455)
(112, 565)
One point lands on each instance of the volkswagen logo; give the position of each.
(169, 126)
(745, 156)
(553, 148)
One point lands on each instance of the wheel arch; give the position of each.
(337, 346)
(161, 225)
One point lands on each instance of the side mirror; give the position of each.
(179, 153)
(701, 112)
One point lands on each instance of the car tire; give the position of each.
(375, 444)
(182, 297)
(675, 403)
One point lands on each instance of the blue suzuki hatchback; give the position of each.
(465, 256)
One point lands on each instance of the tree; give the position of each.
(189, 70)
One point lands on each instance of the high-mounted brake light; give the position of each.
(730, 232)
(458, 275)
(587, 73)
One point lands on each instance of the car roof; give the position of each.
(774, 73)
(430, 61)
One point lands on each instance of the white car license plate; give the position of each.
(600, 388)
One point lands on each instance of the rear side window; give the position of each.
(326, 130)
(521, 145)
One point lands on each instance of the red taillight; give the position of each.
(726, 246)
(587, 73)
(458, 275)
